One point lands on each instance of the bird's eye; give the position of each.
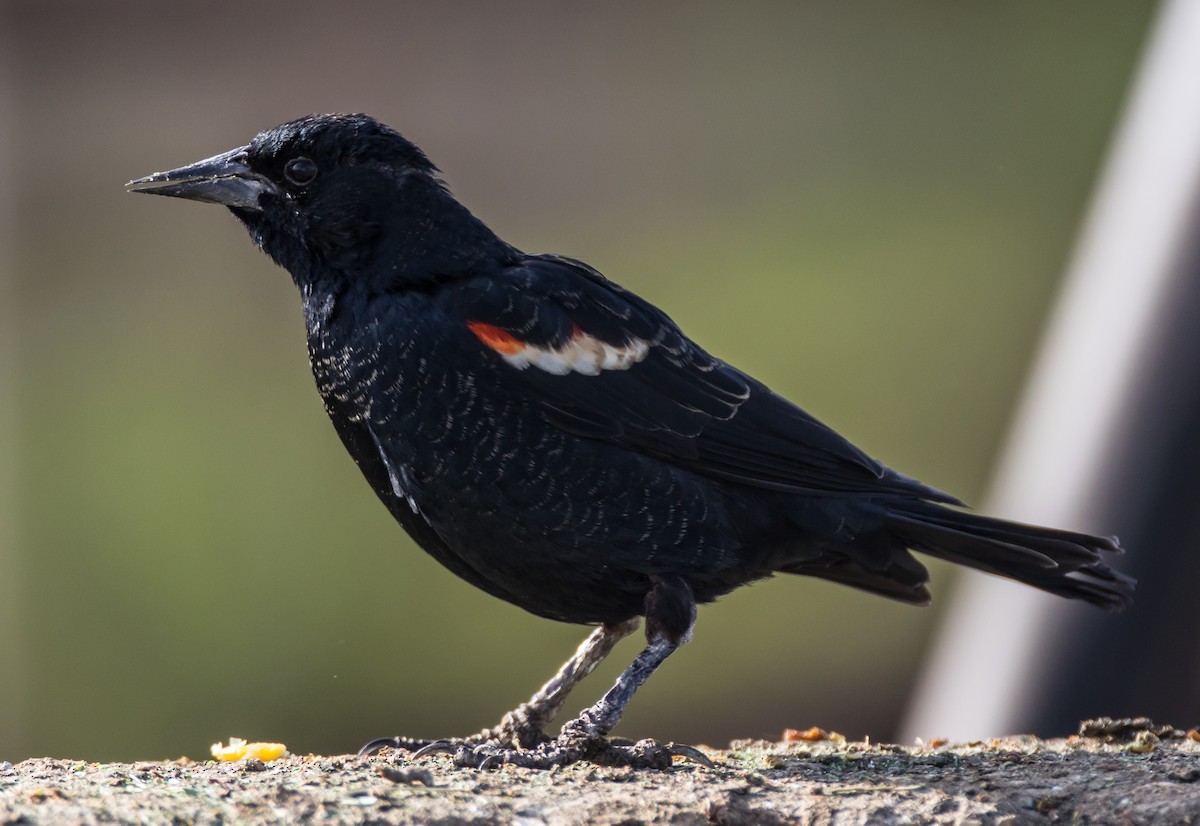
(300, 171)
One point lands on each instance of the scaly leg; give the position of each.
(523, 727)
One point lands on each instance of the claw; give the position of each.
(376, 745)
(486, 757)
(690, 753)
(436, 747)
(495, 761)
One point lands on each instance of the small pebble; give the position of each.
(422, 776)
(360, 800)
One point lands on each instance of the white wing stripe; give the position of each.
(582, 354)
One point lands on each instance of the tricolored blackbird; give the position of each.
(560, 443)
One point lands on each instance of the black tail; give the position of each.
(1060, 562)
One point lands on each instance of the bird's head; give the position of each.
(340, 198)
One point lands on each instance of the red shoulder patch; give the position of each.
(499, 340)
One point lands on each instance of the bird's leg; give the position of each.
(670, 615)
(523, 727)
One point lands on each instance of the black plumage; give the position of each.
(558, 442)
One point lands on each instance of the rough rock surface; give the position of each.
(1119, 774)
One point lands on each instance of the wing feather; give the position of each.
(674, 401)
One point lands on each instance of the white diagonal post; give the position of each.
(980, 679)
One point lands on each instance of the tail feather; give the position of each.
(1060, 562)
(964, 547)
(903, 578)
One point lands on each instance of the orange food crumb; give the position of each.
(811, 735)
(239, 749)
(938, 742)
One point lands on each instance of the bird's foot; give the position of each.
(572, 746)
(515, 731)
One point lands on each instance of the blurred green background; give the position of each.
(867, 204)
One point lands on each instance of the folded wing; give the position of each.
(602, 363)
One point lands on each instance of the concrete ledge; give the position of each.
(1135, 777)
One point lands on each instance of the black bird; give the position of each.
(560, 443)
